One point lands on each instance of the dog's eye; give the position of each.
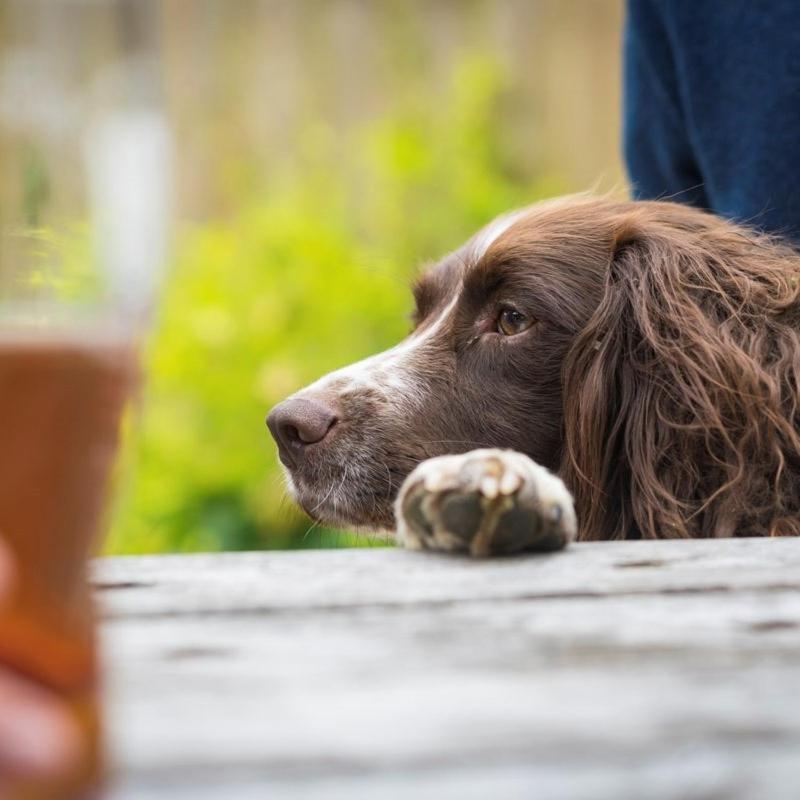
(510, 322)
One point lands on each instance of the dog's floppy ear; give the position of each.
(681, 391)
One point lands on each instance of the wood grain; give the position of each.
(612, 670)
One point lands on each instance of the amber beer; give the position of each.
(61, 398)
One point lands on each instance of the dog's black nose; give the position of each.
(297, 423)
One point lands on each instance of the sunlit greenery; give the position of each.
(309, 273)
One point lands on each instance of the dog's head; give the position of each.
(555, 331)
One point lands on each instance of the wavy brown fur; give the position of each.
(681, 392)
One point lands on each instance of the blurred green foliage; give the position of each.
(306, 275)
(35, 188)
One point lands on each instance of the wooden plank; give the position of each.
(280, 581)
(649, 669)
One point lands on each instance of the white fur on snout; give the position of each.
(392, 369)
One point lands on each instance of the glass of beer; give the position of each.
(83, 223)
(62, 393)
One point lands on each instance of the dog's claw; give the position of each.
(490, 487)
(510, 482)
(484, 502)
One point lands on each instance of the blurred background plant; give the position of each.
(326, 148)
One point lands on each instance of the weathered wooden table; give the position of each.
(613, 670)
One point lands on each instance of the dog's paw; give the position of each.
(485, 502)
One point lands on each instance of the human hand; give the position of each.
(38, 740)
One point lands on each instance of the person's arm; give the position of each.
(657, 146)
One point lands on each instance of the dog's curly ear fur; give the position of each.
(681, 392)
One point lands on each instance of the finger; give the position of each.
(37, 737)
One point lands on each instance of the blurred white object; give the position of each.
(129, 166)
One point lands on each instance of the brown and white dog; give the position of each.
(641, 358)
